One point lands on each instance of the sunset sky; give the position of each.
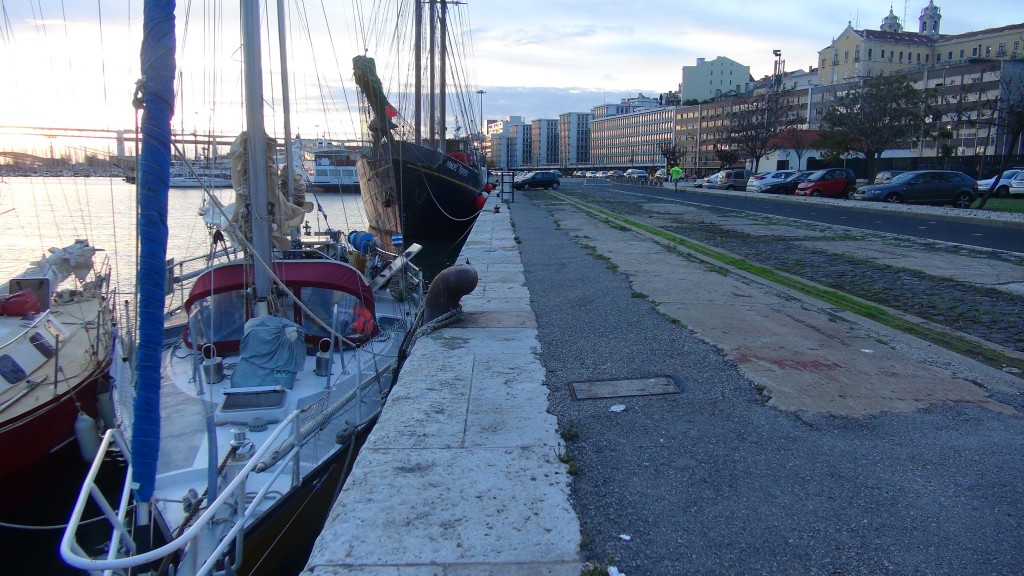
(74, 64)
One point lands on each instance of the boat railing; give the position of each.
(73, 553)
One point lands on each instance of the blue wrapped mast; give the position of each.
(157, 95)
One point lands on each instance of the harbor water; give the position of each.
(39, 213)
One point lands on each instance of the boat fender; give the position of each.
(105, 402)
(447, 288)
(87, 435)
(481, 199)
(488, 187)
(362, 241)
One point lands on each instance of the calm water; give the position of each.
(39, 213)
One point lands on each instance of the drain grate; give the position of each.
(617, 388)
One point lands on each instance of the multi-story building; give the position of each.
(719, 77)
(573, 139)
(858, 54)
(544, 137)
(631, 140)
(508, 143)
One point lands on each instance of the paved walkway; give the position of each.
(461, 474)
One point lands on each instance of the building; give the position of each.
(713, 79)
(509, 143)
(632, 140)
(544, 137)
(858, 54)
(574, 139)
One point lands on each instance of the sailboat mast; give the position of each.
(433, 83)
(442, 129)
(257, 147)
(418, 76)
(290, 185)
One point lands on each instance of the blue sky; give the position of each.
(533, 58)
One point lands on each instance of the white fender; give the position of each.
(88, 436)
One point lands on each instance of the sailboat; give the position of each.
(56, 334)
(428, 191)
(234, 424)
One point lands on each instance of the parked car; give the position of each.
(787, 186)
(540, 179)
(732, 179)
(707, 181)
(636, 174)
(768, 178)
(829, 182)
(1017, 185)
(661, 175)
(938, 187)
(1004, 183)
(579, 174)
(886, 175)
(615, 173)
(591, 174)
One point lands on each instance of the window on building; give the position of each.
(883, 54)
(974, 51)
(1002, 50)
(856, 54)
(961, 54)
(1016, 45)
(926, 56)
(869, 53)
(901, 55)
(988, 51)
(846, 56)
(918, 57)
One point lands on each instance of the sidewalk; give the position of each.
(461, 474)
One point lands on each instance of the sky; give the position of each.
(73, 64)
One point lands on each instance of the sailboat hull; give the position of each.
(428, 197)
(42, 441)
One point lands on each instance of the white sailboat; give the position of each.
(234, 423)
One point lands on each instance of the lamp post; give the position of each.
(481, 93)
(778, 68)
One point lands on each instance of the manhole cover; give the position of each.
(617, 388)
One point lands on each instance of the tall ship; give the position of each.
(428, 190)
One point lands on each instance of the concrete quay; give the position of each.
(461, 473)
(798, 439)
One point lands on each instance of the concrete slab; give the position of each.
(620, 388)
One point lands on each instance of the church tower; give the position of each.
(930, 19)
(891, 23)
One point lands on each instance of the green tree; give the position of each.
(882, 114)
(755, 123)
(727, 157)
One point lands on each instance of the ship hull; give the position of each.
(426, 196)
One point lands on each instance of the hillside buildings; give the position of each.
(970, 76)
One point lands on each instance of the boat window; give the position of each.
(218, 318)
(354, 320)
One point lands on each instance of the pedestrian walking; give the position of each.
(677, 173)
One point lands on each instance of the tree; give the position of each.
(882, 114)
(797, 140)
(671, 154)
(755, 123)
(833, 145)
(1006, 114)
(727, 156)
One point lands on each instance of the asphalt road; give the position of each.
(738, 473)
(861, 215)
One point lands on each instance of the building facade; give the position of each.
(574, 139)
(715, 78)
(858, 54)
(544, 137)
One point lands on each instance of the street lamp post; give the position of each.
(481, 93)
(778, 68)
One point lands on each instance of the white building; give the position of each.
(574, 139)
(508, 142)
(544, 137)
(708, 80)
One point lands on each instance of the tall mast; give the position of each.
(418, 76)
(289, 185)
(433, 85)
(257, 147)
(442, 91)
